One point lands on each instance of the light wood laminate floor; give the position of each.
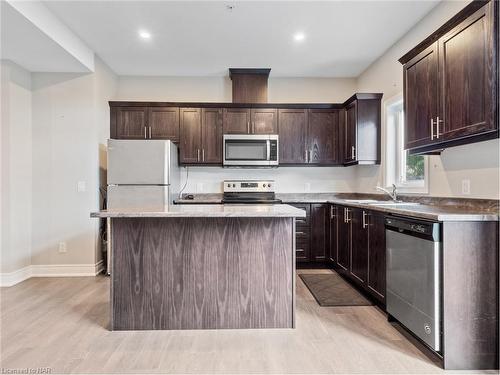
(62, 323)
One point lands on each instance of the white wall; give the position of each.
(70, 122)
(478, 162)
(16, 167)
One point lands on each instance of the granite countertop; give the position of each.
(207, 210)
(430, 208)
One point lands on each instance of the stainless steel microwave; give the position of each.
(242, 150)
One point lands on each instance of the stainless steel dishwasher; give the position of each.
(414, 277)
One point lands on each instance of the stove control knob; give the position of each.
(234, 185)
(268, 185)
(264, 185)
(228, 185)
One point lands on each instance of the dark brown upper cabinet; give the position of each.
(190, 150)
(236, 121)
(201, 136)
(292, 136)
(250, 121)
(211, 138)
(451, 82)
(145, 123)
(163, 123)
(362, 129)
(421, 97)
(129, 123)
(322, 136)
(264, 121)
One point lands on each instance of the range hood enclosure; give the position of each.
(249, 85)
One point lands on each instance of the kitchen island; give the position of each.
(203, 267)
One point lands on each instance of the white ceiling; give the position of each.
(205, 38)
(31, 47)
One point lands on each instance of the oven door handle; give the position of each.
(268, 147)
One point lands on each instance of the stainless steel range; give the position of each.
(250, 191)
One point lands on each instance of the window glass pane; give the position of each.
(415, 168)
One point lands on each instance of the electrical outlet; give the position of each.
(62, 247)
(307, 187)
(81, 186)
(199, 187)
(466, 187)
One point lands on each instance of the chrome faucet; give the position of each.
(393, 195)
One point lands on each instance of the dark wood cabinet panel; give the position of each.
(322, 136)
(163, 123)
(302, 234)
(343, 239)
(292, 134)
(319, 231)
(421, 97)
(350, 133)
(130, 123)
(451, 82)
(236, 121)
(376, 255)
(332, 248)
(211, 135)
(359, 245)
(467, 76)
(264, 121)
(190, 135)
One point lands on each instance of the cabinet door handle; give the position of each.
(150, 132)
(145, 130)
(365, 224)
(348, 218)
(345, 215)
(299, 232)
(198, 154)
(305, 155)
(253, 127)
(331, 212)
(248, 127)
(353, 152)
(432, 129)
(203, 154)
(437, 126)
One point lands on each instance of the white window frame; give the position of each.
(394, 155)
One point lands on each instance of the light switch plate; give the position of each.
(81, 187)
(466, 187)
(62, 247)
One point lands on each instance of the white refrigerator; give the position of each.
(142, 174)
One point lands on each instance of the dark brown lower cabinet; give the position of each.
(311, 233)
(359, 246)
(320, 222)
(343, 239)
(358, 236)
(376, 255)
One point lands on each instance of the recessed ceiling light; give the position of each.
(299, 37)
(144, 34)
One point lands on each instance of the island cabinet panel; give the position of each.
(344, 240)
(323, 136)
(359, 246)
(468, 76)
(190, 135)
(129, 122)
(202, 273)
(319, 231)
(292, 135)
(451, 82)
(236, 121)
(421, 97)
(264, 121)
(375, 281)
(163, 123)
(211, 123)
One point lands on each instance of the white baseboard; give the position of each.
(50, 270)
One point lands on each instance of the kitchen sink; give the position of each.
(363, 201)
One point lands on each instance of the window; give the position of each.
(408, 172)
